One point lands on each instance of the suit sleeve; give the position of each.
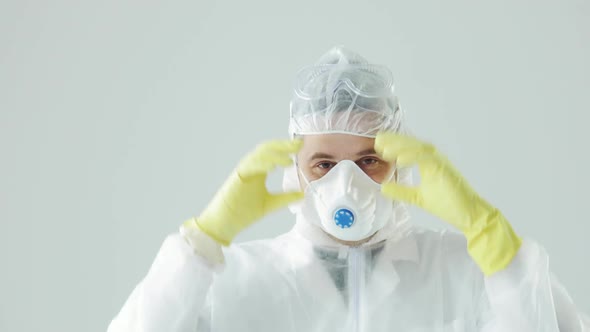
(527, 297)
(173, 294)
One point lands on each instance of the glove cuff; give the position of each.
(202, 243)
(210, 228)
(219, 220)
(494, 245)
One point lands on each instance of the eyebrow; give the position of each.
(323, 155)
(366, 152)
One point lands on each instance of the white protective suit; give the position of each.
(405, 278)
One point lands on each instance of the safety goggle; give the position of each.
(322, 81)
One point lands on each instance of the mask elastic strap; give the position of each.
(392, 175)
(308, 183)
(390, 178)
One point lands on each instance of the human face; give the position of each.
(320, 153)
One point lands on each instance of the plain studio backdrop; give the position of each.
(119, 120)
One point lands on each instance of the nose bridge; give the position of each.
(344, 84)
(346, 173)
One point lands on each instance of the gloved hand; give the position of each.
(443, 192)
(244, 198)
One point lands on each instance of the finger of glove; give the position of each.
(263, 163)
(389, 145)
(403, 193)
(280, 146)
(269, 155)
(429, 165)
(422, 158)
(277, 201)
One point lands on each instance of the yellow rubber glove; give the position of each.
(244, 198)
(491, 241)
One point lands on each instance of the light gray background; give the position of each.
(118, 120)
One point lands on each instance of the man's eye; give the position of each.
(325, 165)
(369, 161)
(369, 164)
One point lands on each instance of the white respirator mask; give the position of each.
(346, 203)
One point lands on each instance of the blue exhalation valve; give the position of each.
(344, 218)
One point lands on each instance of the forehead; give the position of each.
(337, 145)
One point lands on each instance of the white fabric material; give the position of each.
(415, 280)
(203, 245)
(173, 290)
